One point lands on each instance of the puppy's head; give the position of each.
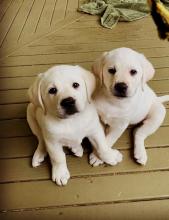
(122, 71)
(63, 90)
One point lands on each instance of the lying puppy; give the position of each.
(61, 113)
(125, 98)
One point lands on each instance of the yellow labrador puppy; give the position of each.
(61, 113)
(124, 98)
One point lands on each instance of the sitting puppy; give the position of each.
(61, 113)
(124, 98)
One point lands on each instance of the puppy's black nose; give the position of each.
(121, 88)
(68, 102)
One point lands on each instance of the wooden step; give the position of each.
(157, 209)
(87, 190)
(20, 169)
(16, 147)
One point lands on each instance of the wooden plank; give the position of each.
(8, 19)
(161, 74)
(4, 5)
(145, 43)
(13, 111)
(20, 95)
(154, 140)
(25, 146)
(150, 51)
(147, 21)
(155, 209)
(24, 41)
(46, 16)
(88, 21)
(118, 34)
(141, 23)
(25, 82)
(18, 111)
(13, 96)
(16, 170)
(35, 22)
(50, 59)
(14, 128)
(72, 6)
(116, 188)
(16, 83)
(17, 147)
(32, 22)
(60, 10)
(21, 71)
(158, 62)
(21, 147)
(75, 59)
(18, 25)
(103, 35)
(19, 127)
(160, 86)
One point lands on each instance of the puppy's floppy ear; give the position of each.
(90, 82)
(148, 69)
(97, 67)
(34, 92)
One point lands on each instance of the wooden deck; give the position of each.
(35, 35)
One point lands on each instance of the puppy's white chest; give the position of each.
(132, 111)
(67, 132)
(66, 135)
(109, 112)
(70, 138)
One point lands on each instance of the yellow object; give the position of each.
(163, 11)
(160, 15)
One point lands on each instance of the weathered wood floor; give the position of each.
(34, 35)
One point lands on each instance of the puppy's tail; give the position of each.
(164, 98)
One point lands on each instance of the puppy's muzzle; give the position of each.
(120, 89)
(69, 105)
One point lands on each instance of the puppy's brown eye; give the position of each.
(53, 90)
(133, 72)
(112, 70)
(75, 85)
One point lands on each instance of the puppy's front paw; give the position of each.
(38, 158)
(94, 160)
(140, 155)
(60, 175)
(112, 157)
